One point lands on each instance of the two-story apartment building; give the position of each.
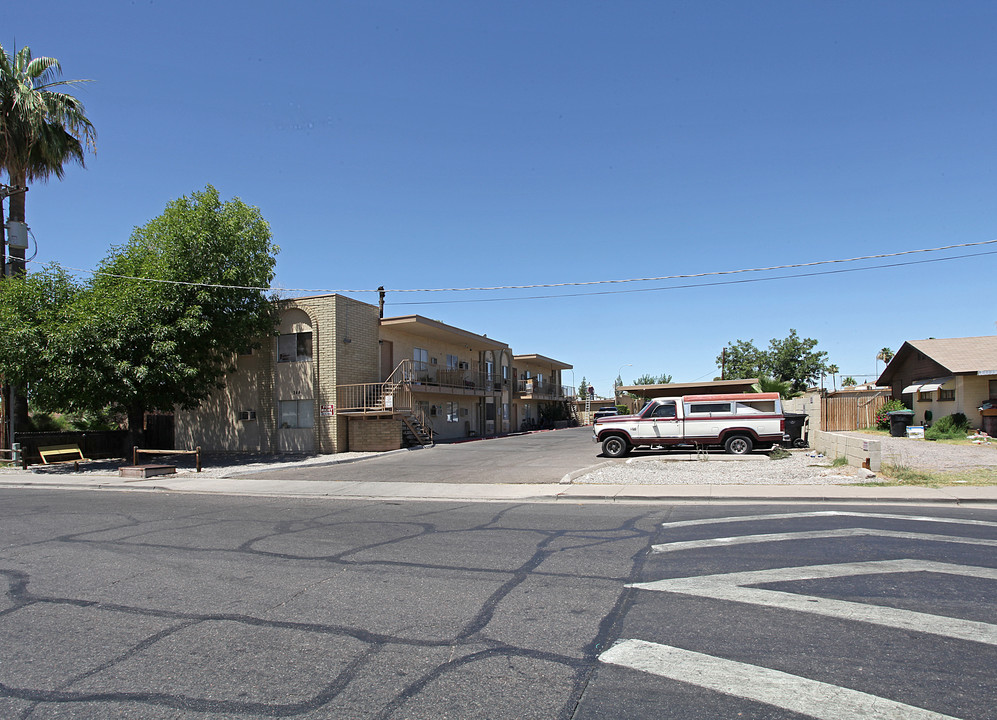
(339, 377)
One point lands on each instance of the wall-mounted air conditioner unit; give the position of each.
(463, 365)
(247, 415)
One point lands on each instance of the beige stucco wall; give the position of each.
(215, 425)
(344, 351)
(471, 407)
(970, 392)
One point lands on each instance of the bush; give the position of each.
(949, 427)
(882, 418)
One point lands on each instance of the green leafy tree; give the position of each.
(796, 360)
(583, 388)
(792, 359)
(849, 382)
(647, 379)
(162, 341)
(740, 359)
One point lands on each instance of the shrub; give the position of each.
(949, 427)
(882, 418)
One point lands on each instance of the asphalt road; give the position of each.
(160, 605)
(534, 458)
(776, 612)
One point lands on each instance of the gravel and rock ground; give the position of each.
(803, 467)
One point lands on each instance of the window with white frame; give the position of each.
(420, 359)
(453, 362)
(490, 369)
(505, 412)
(294, 347)
(453, 412)
(297, 413)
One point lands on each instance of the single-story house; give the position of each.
(943, 376)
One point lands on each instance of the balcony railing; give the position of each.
(395, 393)
(458, 378)
(392, 395)
(543, 388)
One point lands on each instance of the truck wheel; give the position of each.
(738, 445)
(615, 446)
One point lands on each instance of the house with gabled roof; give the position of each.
(941, 376)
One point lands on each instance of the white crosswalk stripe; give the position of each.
(773, 687)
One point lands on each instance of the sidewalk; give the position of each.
(189, 483)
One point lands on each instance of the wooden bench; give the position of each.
(196, 452)
(62, 454)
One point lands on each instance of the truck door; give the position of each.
(662, 422)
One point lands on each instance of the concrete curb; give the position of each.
(548, 492)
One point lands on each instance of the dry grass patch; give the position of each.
(892, 475)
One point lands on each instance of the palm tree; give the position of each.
(771, 384)
(41, 130)
(885, 355)
(834, 370)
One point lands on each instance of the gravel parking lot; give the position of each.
(803, 467)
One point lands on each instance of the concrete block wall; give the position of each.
(858, 451)
(375, 434)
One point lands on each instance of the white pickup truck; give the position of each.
(738, 423)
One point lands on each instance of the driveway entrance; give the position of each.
(543, 457)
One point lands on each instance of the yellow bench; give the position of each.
(62, 454)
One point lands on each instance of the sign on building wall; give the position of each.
(327, 410)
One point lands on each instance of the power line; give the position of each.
(699, 285)
(573, 284)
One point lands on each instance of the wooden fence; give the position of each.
(95, 444)
(851, 411)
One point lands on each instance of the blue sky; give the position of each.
(471, 144)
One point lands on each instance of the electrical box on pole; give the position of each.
(17, 235)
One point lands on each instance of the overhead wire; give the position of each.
(697, 285)
(585, 283)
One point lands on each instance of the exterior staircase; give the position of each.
(414, 431)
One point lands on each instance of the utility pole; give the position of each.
(6, 270)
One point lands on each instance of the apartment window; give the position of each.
(294, 347)
(993, 389)
(420, 359)
(946, 394)
(490, 369)
(924, 396)
(297, 413)
(453, 411)
(453, 362)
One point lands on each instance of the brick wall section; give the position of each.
(345, 352)
(375, 434)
